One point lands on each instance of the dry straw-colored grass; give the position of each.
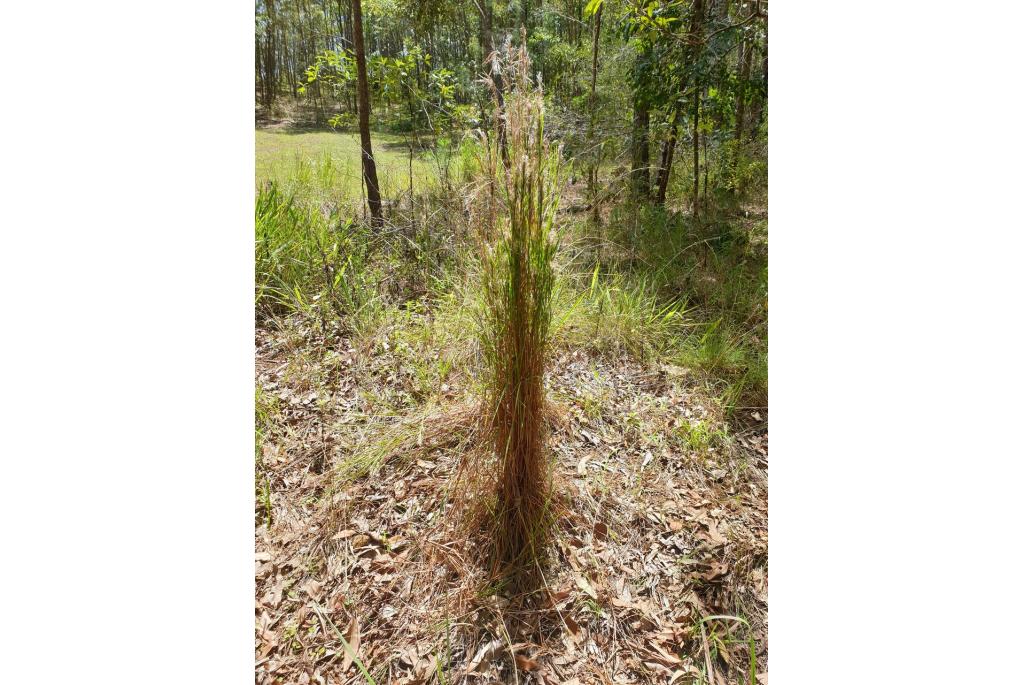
(517, 283)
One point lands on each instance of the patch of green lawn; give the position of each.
(280, 154)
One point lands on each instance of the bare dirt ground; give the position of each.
(665, 525)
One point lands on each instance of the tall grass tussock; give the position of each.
(517, 283)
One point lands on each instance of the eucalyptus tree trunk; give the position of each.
(270, 58)
(746, 57)
(487, 48)
(696, 153)
(592, 175)
(757, 108)
(707, 164)
(668, 149)
(369, 165)
(745, 62)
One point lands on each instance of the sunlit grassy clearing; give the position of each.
(278, 153)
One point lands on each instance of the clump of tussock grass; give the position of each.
(613, 314)
(518, 279)
(309, 258)
(719, 266)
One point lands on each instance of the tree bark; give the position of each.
(269, 58)
(746, 57)
(707, 164)
(667, 152)
(369, 165)
(592, 175)
(757, 108)
(741, 105)
(696, 153)
(640, 172)
(669, 146)
(487, 47)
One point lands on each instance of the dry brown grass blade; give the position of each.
(353, 642)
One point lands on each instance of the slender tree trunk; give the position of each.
(592, 175)
(741, 106)
(369, 166)
(303, 54)
(262, 56)
(641, 150)
(487, 47)
(266, 52)
(707, 164)
(746, 57)
(669, 146)
(757, 108)
(261, 64)
(292, 79)
(696, 153)
(272, 52)
(342, 31)
(668, 149)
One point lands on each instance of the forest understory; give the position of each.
(657, 433)
(511, 342)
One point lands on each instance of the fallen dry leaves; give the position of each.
(655, 536)
(353, 644)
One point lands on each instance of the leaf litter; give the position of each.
(657, 535)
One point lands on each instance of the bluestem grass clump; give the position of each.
(517, 283)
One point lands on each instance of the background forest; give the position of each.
(379, 306)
